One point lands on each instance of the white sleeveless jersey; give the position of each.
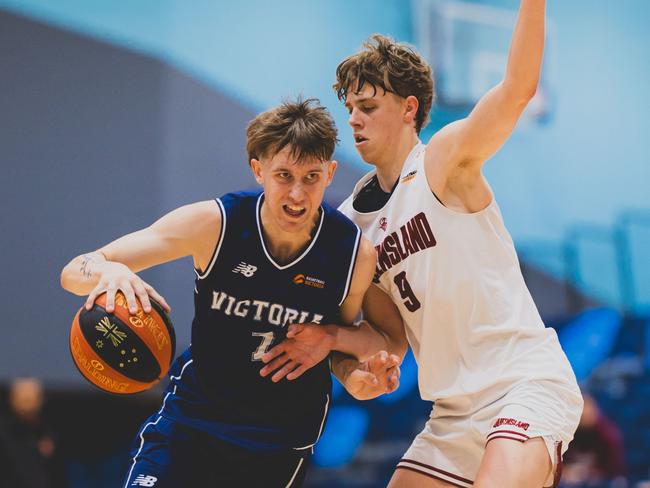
(469, 317)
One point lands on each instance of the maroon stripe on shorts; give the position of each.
(518, 439)
(438, 470)
(415, 470)
(507, 432)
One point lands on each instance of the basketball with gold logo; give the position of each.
(120, 352)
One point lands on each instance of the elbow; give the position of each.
(66, 282)
(529, 92)
(63, 279)
(521, 92)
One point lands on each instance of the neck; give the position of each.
(282, 245)
(390, 167)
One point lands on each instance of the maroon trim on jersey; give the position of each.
(438, 470)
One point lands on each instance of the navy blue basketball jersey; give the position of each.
(244, 302)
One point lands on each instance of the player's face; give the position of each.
(379, 120)
(293, 190)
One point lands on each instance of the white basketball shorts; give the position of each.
(452, 443)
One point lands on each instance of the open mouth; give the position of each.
(294, 211)
(359, 140)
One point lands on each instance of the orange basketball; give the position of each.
(119, 352)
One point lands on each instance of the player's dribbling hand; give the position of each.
(306, 345)
(117, 276)
(374, 377)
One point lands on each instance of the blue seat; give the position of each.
(589, 338)
(337, 388)
(345, 430)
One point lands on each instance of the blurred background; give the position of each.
(115, 112)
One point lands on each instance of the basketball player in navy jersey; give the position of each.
(263, 260)
(506, 399)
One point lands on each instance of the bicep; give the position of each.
(364, 270)
(490, 123)
(476, 138)
(382, 313)
(185, 231)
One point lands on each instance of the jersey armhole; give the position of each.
(217, 248)
(353, 262)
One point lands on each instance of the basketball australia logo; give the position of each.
(301, 279)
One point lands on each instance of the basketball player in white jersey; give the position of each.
(506, 400)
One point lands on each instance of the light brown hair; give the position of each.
(391, 66)
(304, 125)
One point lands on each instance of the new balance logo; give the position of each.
(142, 480)
(247, 270)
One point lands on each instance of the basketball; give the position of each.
(122, 353)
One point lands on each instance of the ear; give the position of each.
(256, 167)
(331, 169)
(411, 109)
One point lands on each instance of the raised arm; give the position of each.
(471, 141)
(192, 230)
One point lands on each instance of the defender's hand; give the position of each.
(117, 276)
(306, 345)
(374, 377)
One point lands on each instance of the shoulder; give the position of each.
(367, 252)
(192, 214)
(451, 176)
(364, 267)
(200, 217)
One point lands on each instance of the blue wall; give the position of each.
(585, 166)
(256, 51)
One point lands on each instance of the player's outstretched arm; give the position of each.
(189, 230)
(470, 142)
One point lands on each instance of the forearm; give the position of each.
(527, 48)
(82, 274)
(360, 341)
(342, 365)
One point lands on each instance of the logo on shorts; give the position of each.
(516, 423)
(144, 480)
(383, 223)
(247, 270)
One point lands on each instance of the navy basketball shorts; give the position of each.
(167, 454)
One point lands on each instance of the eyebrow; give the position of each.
(289, 167)
(359, 100)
